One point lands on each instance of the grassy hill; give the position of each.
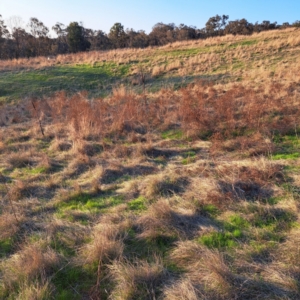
(224, 59)
(174, 175)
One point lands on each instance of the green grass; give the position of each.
(138, 204)
(64, 282)
(97, 79)
(288, 147)
(279, 156)
(189, 157)
(277, 219)
(6, 246)
(238, 222)
(62, 245)
(142, 248)
(272, 200)
(91, 203)
(172, 134)
(221, 239)
(210, 210)
(189, 154)
(34, 171)
(185, 52)
(228, 237)
(244, 43)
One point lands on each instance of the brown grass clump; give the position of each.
(60, 145)
(18, 190)
(10, 224)
(19, 160)
(137, 280)
(163, 185)
(173, 65)
(107, 243)
(254, 145)
(33, 261)
(212, 272)
(163, 220)
(183, 290)
(158, 70)
(35, 291)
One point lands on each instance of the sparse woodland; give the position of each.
(34, 39)
(161, 188)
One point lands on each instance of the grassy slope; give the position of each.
(161, 214)
(222, 60)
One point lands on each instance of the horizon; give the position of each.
(132, 13)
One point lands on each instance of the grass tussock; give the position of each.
(137, 280)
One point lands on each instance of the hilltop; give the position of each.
(162, 173)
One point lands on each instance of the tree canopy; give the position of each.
(35, 40)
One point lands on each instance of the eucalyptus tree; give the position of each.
(4, 35)
(41, 42)
(118, 36)
(76, 38)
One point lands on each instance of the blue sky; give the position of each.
(143, 14)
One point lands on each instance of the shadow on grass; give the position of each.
(126, 173)
(245, 190)
(99, 81)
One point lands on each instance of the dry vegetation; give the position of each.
(178, 194)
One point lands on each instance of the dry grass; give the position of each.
(177, 194)
(31, 262)
(138, 280)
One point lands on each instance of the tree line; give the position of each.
(34, 40)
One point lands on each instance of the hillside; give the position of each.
(162, 173)
(253, 58)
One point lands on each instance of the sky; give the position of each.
(144, 14)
